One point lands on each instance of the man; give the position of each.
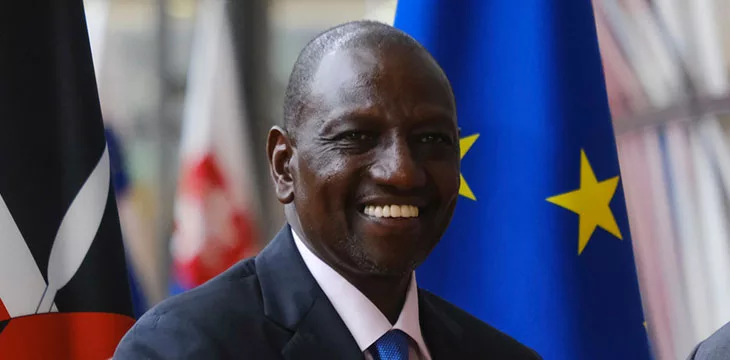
(367, 167)
(715, 347)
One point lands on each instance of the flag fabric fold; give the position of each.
(539, 245)
(63, 280)
(215, 207)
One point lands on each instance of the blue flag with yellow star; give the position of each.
(539, 245)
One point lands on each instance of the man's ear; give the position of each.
(280, 151)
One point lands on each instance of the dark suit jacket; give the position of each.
(270, 307)
(716, 347)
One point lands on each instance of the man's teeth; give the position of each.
(395, 211)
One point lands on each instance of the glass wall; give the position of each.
(666, 69)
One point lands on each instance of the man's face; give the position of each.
(375, 165)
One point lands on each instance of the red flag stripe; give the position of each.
(4, 315)
(80, 336)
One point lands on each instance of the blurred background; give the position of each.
(189, 89)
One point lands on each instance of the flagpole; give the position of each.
(249, 25)
(166, 157)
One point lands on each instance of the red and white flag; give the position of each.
(215, 207)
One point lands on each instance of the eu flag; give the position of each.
(539, 245)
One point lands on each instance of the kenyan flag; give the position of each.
(63, 281)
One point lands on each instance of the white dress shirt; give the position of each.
(364, 320)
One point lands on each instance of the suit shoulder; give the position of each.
(480, 336)
(203, 307)
(213, 298)
(198, 322)
(715, 347)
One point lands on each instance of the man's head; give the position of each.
(369, 125)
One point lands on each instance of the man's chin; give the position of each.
(387, 270)
(392, 256)
(386, 266)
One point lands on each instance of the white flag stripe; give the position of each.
(77, 230)
(20, 279)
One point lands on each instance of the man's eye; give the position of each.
(357, 136)
(435, 139)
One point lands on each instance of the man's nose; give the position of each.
(396, 167)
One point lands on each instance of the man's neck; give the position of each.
(387, 294)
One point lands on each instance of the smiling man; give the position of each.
(367, 167)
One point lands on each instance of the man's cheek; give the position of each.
(445, 174)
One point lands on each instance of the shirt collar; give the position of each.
(364, 320)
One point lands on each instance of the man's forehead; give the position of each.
(350, 69)
(342, 67)
(370, 82)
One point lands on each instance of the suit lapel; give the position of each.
(293, 300)
(441, 334)
(322, 335)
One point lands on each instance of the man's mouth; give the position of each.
(391, 211)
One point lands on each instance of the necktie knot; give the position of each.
(393, 345)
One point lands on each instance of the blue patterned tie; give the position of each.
(393, 345)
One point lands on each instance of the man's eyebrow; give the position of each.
(361, 116)
(439, 118)
(436, 124)
(431, 110)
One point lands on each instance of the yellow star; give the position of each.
(591, 202)
(465, 144)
